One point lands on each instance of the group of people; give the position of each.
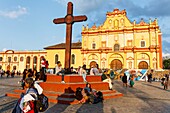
(9, 73)
(37, 76)
(88, 94)
(82, 71)
(125, 80)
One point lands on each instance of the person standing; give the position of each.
(124, 80)
(166, 82)
(43, 64)
(83, 73)
(59, 70)
(150, 76)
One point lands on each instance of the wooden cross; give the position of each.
(69, 19)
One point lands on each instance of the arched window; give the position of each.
(15, 59)
(116, 47)
(21, 59)
(72, 59)
(41, 58)
(1, 58)
(35, 62)
(116, 23)
(9, 59)
(142, 43)
(28, 62)
(56, 58)
(93, 46)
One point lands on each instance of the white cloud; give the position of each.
(96, 10)
(165, 54)
(14, 13)
(4, 49)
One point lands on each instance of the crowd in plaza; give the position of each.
(9, 73)
(31, 79)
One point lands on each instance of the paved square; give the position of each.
(143, 98)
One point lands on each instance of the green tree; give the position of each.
(166, 64)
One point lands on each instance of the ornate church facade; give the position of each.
(117, 43)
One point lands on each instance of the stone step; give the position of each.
(72, 78)
(58, 92)
(67, 98)
(50, 93)
(71, 87)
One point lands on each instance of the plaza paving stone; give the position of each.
(143, 98)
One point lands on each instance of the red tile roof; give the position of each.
(76, 45)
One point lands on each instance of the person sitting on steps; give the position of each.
(106, 78)
(59, 70)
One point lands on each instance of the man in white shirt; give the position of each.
(59, 70)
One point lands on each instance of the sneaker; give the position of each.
(62, 82)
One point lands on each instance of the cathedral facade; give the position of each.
(119, 43)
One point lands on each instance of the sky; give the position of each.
(28, 24)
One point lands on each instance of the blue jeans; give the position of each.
(84, 77)
(61, 73)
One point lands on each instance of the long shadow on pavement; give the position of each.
(153, 105)
(91, 108)
(7, 106)
(79, 108)
(156, 87)
(57, 108)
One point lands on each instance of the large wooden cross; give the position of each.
(69, 19)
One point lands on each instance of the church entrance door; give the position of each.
(8, 67)
(143, 65)
(92, 63)
(116, 64)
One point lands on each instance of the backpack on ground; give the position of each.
(92, 99)
(78, 94)
(100, 96)
(42, 103)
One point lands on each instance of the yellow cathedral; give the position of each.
(118, 43)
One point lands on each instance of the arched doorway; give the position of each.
(14, 67)
(8, 67)
(116, 64)
(93, 63)
(35, 62)
(28, 62)
(143, 65)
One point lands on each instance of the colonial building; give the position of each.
(20, 60)
(117, 43)
(57, 53)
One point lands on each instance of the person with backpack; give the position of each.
(29, 102)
